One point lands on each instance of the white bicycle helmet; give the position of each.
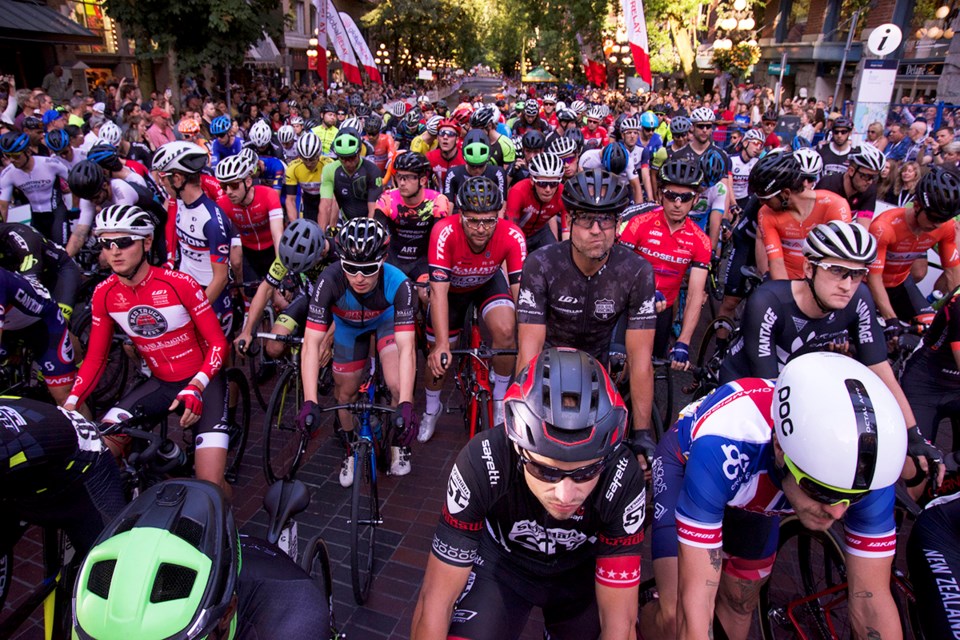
(180, 155)
(578, 106)
(841, 240)
(838, 423)
(550, 98)
(398, 109)
(110, 134)
(755, 135)
(596, 113)
(295, 120)
(630, 124)
(309, 145)
(234, 168)
(811, 163)
(867, 156)
(702, 114)
(433, 125)
(546, 166)
(124, 218)
(286, 134)
(563, 147)
(352, 123)
(260, 134)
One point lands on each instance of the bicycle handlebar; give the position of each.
(287, 339)
(482, 351)
(360, 406)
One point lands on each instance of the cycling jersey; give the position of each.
(599, 134)
(671, 253)
(441, 165)
(457, 175)
(169, 319)
(581, 311)
(488, 501)
(421, 146)
(353, 192)
(122, 192)
(452, 260)
(862, 205)
(218, 151)
(273, 174)
(775, 330)
(26, 251)
(708, 201)
(204, 235)
(384, 151)
(688, 154)
(410, 226)
(42, 186)
(326, 135)
(741, 175)
(783, 235)
(252, 221)
(932, 556)
(309, 182)
(333, 299)
(502, 151)
(527, 212)
(521, 126)
(835, 161)
(720, 454)
(898, 246)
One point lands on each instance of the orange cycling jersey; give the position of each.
(898, 246)
(783, 234)
(384, 151)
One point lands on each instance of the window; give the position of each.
(90, 14)
(797, 20)
(301, 21)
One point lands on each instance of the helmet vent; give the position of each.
(189, 530)
(101, 576)
(173, 582)
(568, 436)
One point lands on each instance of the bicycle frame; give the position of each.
(366, 434)
(473, 380)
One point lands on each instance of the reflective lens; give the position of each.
(704, 127)
(819, 492)
(586, 221)
(480, 223)
(678, 197)
(552, 475)
(366, 269)
(842, 273)
(446, 133)
(123, 242)
(546, 184)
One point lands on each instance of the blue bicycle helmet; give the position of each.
(648, 120)
(106, 156)
(220, 125)
(14, 142)
(799, 142)
(57, 140)
(713, 164)
(614, 158)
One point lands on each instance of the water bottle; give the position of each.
(171, 455)
(289, 540)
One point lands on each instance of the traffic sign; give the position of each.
(884, 39)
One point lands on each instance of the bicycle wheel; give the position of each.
(484, 409)
(238, 421)
(316, 563)
(364, 520)
(6, 575)
(113, 381)
(808, 563)
(283, 442)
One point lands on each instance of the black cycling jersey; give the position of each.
(353, 192)
(581, 311)
(834, 162)
(456, 176)
(774, 331)
(26, 251)
(690, 155)
(866, 201)
(933, 555)
(488, 498)
(521, 126)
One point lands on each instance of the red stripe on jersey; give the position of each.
(699, 534)
(618, 572)
(878, 546)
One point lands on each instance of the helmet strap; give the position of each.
(813, 290)
(132, 272)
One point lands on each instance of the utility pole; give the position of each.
(846, 52)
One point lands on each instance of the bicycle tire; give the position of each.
(113, 382)
(283, 442)
(6, 575)
(238, 422)
(819, 560)
(662, 399)
(315, 562)
(364, 519)
(709, 356)
(484, 409)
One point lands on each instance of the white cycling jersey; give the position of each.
(38, 186)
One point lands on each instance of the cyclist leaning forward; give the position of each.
(366, 297)
(350, 184)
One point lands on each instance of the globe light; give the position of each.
(747, 24)
(613, 59)
(728, 24)
(948, 33)
(942, 12)
(313, 42)
(739, 5)
(934, 33)
(383, 46)
(627, 60)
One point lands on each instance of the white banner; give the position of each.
(360, 46)
(341, 45)
(637, 35)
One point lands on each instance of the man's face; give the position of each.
(237, 191)
(896, 133)
(408, 184)
(862, 179)
(359, 282)
(59, 123)
(545, 189)
(677, 201)
(735, 139)
(630, 137)
(814, 515)
(593, 234)
(592, 124)
(19, 160)
(917, 131)
(46, 103)
(944, 137)
(447, 139)
(836, 280)
(122, 260)
(924, 222)
(571, 165)
(703, 132)
(548, 107)
(350, 163)
(329, 118)
(841, 136)
(562, 499)
(478, 227)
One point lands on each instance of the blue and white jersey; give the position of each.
(218, 151)
(726, 441)
(204, 237)
(273, 173)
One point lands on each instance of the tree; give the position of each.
(680, 20)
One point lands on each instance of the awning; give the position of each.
(264, 54)
(36, 22)
(539, 75)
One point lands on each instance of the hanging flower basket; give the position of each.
(737, 59)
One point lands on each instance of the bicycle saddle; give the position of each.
(283, 500)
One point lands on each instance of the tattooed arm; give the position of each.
(699, 579)
(873, 612)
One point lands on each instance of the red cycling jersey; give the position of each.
(253, 221)
(670, 253)
(898, 246)
(452, 260)
(137, 167)
(170, 321)
(526, 210)
(598, 134)
(441, 165)
(783, 235)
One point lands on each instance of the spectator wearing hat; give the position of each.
(53, 119)
(160, 132)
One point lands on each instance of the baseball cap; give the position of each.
(99, 107)
(157, 112)
(32, 122)
(51, 115)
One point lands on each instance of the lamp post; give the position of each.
(381, 58)
(312, 54)
(734, 26)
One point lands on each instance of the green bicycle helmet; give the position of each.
(476, 148)
(166, 567)
(347, 143)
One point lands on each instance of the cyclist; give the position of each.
(225, 141)
(326, 131)
(56, 471)
(529, 146)
(254, 211)
(383, 148)
(652, 160)
(594, 135)
(754, 449)
(367, 298)
(268, 171)
(447, 154)
(710, 209)
(536, 203)
(409, 213)
(260, 139)
(787, 214)
(41, 180)
(287, 138)
(858, 183)
(215, 584)
(58, 141)
(674, 245)
(427, 141)
(836, 151)
(590, 275)
(350, 184)
(617, 160)
(203, 232)
(45, 264)
(568, 150)
(167, 316)
(811, 167)
(307, 173)
(629, 129)
(502, 151)
(566, 120)
(743, 163)
(529, 120)
(536, 509)
(476, 156)
(549, 110)
(932, 559)
(466, 252)
(903, 237)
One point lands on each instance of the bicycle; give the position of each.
(661, 414)
(365, 515)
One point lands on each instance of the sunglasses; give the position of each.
(123, 242)
(545, 184)
(13, 156)
(824, 494)
(678, 197)
(366, 269)
(446, 134)
(842, 273)
(569, 159)
(552, 475)
(593, 121)
(704, 127)
(867, 177)
(587, 221)
(648, 129)
(841, 131)
(480, 223)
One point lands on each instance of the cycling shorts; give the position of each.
(52, 224)
(933, 555)
(492, 294)
(413, 269)
(256, 264)
(542, 238)
(907, 300)
(64, 283)
(663, 332)
(498, 599)
(295, 315)
(930, 399)
(223, 307)
(742, 254)
(747, 536)
(50, 338)
(154, 396)
(351, 345)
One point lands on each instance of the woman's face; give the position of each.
(908, 173)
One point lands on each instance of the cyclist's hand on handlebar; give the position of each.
(680, 356)
(659, 301)
(642, 444)
(309, 417)
(439, 360)
(893, 328)
(191, 398)
(406, 424)
(243, 342)
(924, 454)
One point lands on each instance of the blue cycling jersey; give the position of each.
(218, 151)
(333, 299)
(274, 172)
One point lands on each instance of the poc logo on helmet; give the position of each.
(783, 411)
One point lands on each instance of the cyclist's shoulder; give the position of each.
(738, 411)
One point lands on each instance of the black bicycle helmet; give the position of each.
(681, 173)
(533, 140)
(86, 179)
(938, 194)
(412, 162)
(479, 195)
(106, 156)
(301, 246)
(564, 406)
(363, 240)
(774, 173)
(57, 140)
(680, 125)
(577, 136)
(372, 125)
(482, 118)
(713, 164)
(362, 111)
(596, 191)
